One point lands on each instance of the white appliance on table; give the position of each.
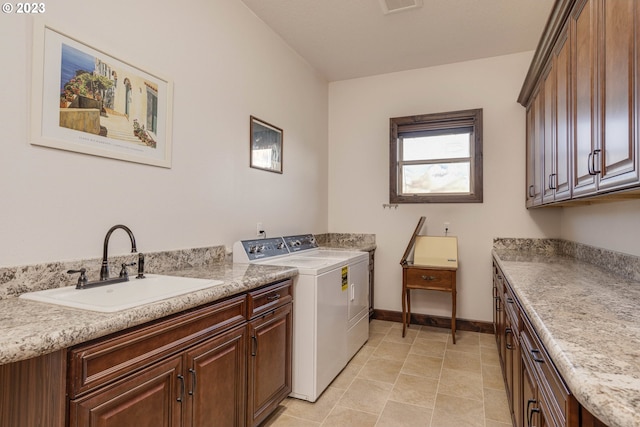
(330, 309)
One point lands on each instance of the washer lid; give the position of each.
(307, 265)
(349, 255)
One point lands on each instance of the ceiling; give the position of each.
(345, 39)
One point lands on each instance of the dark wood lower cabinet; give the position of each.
(225, 364)
(537, 394)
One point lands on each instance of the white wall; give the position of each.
(359, 112)
(225, 65)
(613, 226)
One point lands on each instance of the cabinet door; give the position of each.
(216, 381)
(618, 159)
(496, 300)
(583, 39)
(502, 327)
(531, 414)
(269, 367)
(508, 359)
(535, 153)
(560, 180)
(150, 398)
(548, 136)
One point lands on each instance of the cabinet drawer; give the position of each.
(108, 359)
(269, 297)
(554, 392)
(421, 278)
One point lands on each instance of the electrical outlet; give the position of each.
(259, 229)
(447, 228)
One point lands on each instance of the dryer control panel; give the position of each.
(301, 242)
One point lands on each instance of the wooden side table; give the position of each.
(430, 279)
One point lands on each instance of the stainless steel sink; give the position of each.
(120, 296)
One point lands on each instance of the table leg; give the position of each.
(453, 315)
(408, 308)
(404, 311)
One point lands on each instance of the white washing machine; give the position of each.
(324, 337)
(358, 291)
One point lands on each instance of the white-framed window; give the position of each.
(436, 158)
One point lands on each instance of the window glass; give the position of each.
(436, 178)
(449, 146)
(436, 158)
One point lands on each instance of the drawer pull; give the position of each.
(534, 355)
(181, 397)
(273, 297)
(428, 278)
(510, 300)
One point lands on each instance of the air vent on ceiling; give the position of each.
(393, 6)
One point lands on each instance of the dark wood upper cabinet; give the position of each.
(583, 137)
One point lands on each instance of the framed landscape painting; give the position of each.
(88, 101)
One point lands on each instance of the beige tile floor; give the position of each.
(421, 380)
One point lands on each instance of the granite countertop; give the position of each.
(588, 319)
(29, 329)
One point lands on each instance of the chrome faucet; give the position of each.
(104, 270)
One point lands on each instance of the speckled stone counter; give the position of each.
(587, 317)
(29, 328)
(353, 241)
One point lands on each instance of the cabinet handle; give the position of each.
(534, 354)
(531, 191)
(552, 184)
(510, 300)
(529, 413)
(508, 331)
(181, 397)
(591, 162)
(428, 278)
(273, 297)
(194, 378)
(498, 308)
(533, 411)
(254, 346)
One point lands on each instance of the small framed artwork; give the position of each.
(87, 101)
(265, 146)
